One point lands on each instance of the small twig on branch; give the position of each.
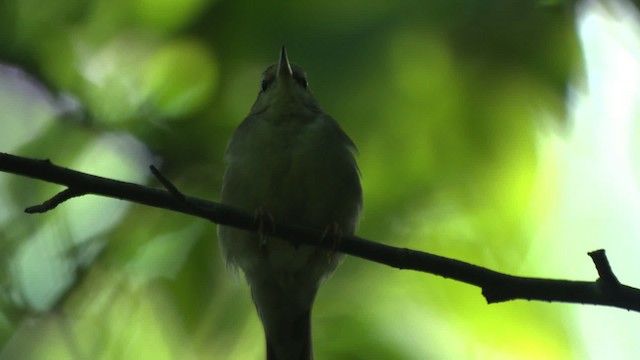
(167, 184)
(56, 200)
(496, 286)
(179, 196)
(601, 262)
(608, 281)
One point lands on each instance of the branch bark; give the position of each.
(496, 286)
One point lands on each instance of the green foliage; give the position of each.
(445, 100)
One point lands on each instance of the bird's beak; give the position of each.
(284, 69)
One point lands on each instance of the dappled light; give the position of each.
(500, 133)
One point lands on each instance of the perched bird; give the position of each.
(289, 161)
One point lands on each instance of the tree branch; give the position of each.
(56, 200)
(496, 286)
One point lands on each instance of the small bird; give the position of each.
(289, 161)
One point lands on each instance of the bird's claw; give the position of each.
(333, 233)
(265, 223)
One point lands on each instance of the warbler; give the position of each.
(289, 161)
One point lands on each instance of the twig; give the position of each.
(56, 200)
(601, 262)
(496, 286)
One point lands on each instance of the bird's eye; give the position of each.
(264, 85)
(301, 80)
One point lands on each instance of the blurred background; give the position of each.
(502, 133)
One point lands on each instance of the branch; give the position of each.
(56, 200)
(496, 287)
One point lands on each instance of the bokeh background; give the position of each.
(503, 133)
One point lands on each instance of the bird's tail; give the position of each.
(292, 341)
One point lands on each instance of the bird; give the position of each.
(288, 161)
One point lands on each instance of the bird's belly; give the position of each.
(287, 188)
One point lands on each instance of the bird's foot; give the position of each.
(333, 234)
(266, 225)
